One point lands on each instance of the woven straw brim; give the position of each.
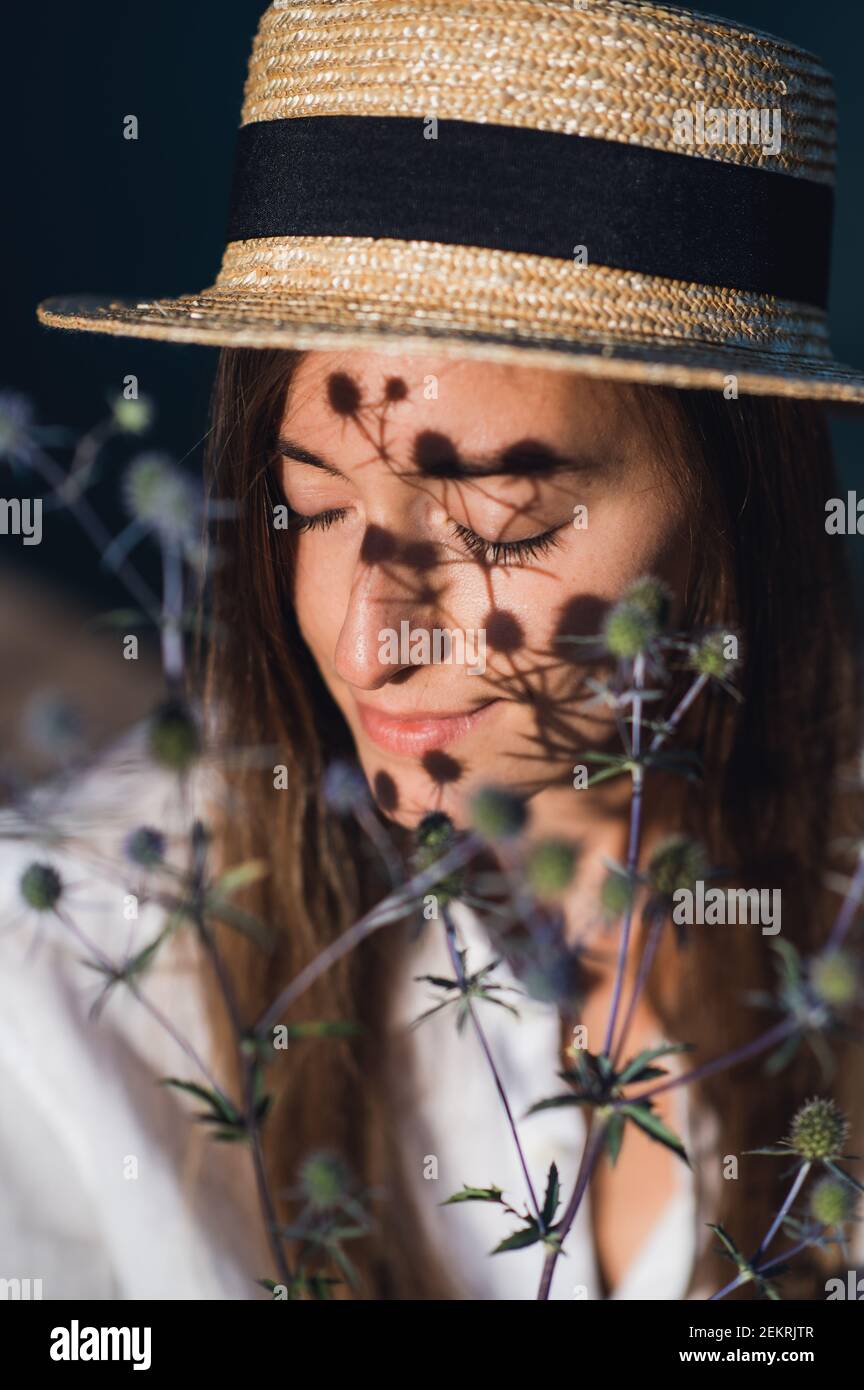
(216, 323)
(331, 323)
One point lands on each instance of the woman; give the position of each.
(486, 416)
(719, 498)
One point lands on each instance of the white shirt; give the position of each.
(462, 1123)
(99, 1196)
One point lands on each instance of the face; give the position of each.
(456, 520)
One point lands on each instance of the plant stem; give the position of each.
(450, 934)
(848, 908)
(632, 850)
(87, 451)
(729, 1059)
(247, 1073)
(388, 910)
(787, 1255)
(591, 1152)
(151, 1008)
(644, 969)
(172, 613)
(745, 1278)
(678, 713)
(779, 1218)
(99, 535)
(368, 822)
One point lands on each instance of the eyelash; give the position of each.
(506, 552)
(321, 522)
(490, 552)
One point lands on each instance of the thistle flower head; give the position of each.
(819, 1130)
(628, 631)
(41, 886)
(433, 838)
(324, 1181)
(708, 657)
(145, 847)
(549, 867)
(162, 498)
(497, 814)
(434, 834)
(174, 740)
(637, 619)
(132, 416)
(677, 863)
(832, 1202)
(53, 725)
(834, 978)
(652, 596)
(344, 787)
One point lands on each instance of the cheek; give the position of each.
(568, 591)
(631, 533)
(317, 599)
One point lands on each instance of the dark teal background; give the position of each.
(86, 210)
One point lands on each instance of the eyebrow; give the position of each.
(289, 448)
(508, 461)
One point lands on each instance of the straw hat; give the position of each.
(622, 189)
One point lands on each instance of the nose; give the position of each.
(389, 595)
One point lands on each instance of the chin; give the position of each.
(406, 794)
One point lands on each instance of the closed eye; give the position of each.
(490, 552)
(506, 552)
(322, 521)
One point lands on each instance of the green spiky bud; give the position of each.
(497, 814)
(637, 619)
(628, 631)
(678, 862)
(132, 416)
(832, 1202)
(834, 977)
(617, 893)
(174, 740)
(324, 1181)
(819, 1131)
(161, 497)
(41, 886)
(435, 834)
(652, 596)
(708, 657)
(549, 867)
(434, 837)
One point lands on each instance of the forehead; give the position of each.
(364, 396)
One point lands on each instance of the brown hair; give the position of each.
(756, 475)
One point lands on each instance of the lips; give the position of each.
(414, 734)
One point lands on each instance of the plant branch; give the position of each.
(591, 1152)
(388, 910)
(632, 850)
(450, 934)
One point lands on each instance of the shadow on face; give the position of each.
(452, 522)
